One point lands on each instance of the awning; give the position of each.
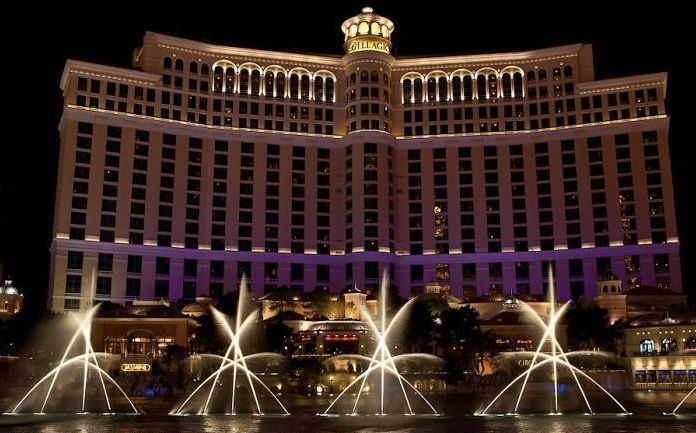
(679, 371)
(640, 372)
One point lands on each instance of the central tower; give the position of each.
(369, 146)
(368, 62)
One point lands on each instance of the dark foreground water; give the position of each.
(307, 423)
(647, 417)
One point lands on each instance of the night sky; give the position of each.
(626, 42)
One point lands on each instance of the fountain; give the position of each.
(234, 363)
(380, 368)
(557, 358)
(86, 364)
(674, 412)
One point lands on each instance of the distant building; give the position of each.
(661, 349)
(635, 302)
(202, 163)
(139, 333)
(10, 300)
(318, 305)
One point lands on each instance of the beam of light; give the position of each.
(67, 363)
(225, 368)
(88, 360)
(557, 357)
(233, 359)
(382, 361)
(682, 402)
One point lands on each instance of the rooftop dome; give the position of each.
(511, 302)
(366, 31)
(8, 288)
(198, 308)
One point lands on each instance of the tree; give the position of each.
(394, 299)
(463, 343)
(420, 326)
(276, 334)
(589, 328)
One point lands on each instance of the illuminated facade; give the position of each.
(205, 162)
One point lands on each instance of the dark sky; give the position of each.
(627, 41)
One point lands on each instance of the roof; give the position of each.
(338, 325)
(526, 297)
(607, 275)
(508, 317)
(652, 291)
(142, 312)
(9, 289)
(662, 319)
(287, 315)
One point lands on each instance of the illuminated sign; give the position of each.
(368, 44)
(524, 362)
(135, 368)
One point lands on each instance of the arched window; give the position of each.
(647, 347)
(375, 28)
(567, 71)
(418, 90)
(217, 79)
(385, 79)
(364, 76)
(268, 84)
(294, 86)
(255, 82)
(507, 86)
(531, 76)
(374, 76)
(690, 343)
(179, 65)
(432, 89)
(140, 343)
(244, 82)
(541, 74)
(517, 90)
(556, 73)
(167, 63)
(205, 70)
(408, 91)
(329, 89)
(468, 88)
(481, 87)
(304, 87)
(668, 345)
(229, 80)
(442, 88)
(280, 85)
(193, 67)
(457, 88)
(363, 28)
(353, 77)
(318, 89)
(492, 86)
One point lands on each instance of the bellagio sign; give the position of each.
(135, 368)
(368, 44)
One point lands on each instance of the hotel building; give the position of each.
(203, 163)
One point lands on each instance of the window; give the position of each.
(73, 284)
(105, 262)
(75, 259)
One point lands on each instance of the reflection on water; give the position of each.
(647, 409)
(370, 424)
